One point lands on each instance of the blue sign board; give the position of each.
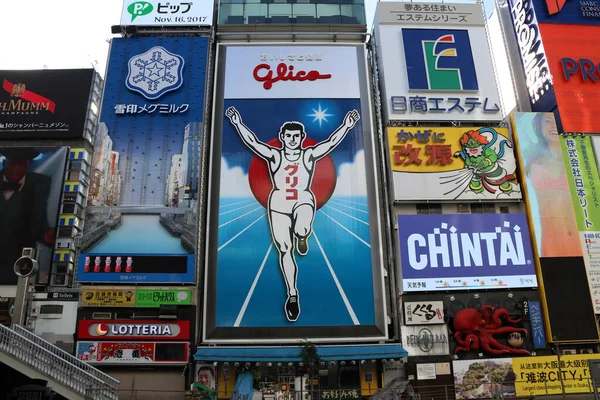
(141, 207)
(537, 325)
(465, 251)
(576, 12)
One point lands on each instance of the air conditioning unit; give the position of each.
(569, 351)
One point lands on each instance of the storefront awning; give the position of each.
(292, 353)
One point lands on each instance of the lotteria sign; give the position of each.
(93, 329)
(461, 252)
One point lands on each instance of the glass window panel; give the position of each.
(280, 9)
(304, 10)
(256, 10)
(326, 10)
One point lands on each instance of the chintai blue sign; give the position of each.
(465, 251)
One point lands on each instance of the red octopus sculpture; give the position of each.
(478, 330)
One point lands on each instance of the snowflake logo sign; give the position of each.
(155, 73)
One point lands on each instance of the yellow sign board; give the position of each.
(441, 163)
(541, 375)
(431, 149)
(107, 298)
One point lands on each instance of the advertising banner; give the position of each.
(143, 298)
(31, 181)
(125, 330)
(296, 173)
(435, 65)
(164, 13)
(523, 376)
(574, 12)
(426, 312)
(537, 325)
(573, 64)
(119, 353)
(421, 340)
(533, 55)
(548, 193)
(465, 251)
(582, 173)
(453, 163)
(44, 104)
(141, 217)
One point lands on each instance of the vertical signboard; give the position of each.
(31, 180)
(439, 163)
(582, 173)
(533, 56)
(434, 62)
(552, 218)
(297, 184)
(137, 229)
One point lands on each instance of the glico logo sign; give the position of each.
(502, 246)
(24, 101)
(586, 68)
(439, 59)
(103, 329)
(533, 57)
(284, 72)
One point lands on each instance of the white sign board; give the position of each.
(426, 371)
(425, 340)
(424, 312)
(171, 13)
(438, 70)
(283, 72)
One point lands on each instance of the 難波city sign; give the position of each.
(90, 329)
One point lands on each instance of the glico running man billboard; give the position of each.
(293, 213)
(141, 216)
(464, 251)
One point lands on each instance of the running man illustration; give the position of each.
(291, 206)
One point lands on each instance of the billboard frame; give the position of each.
(370, 333)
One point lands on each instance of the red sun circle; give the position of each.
(322, 185)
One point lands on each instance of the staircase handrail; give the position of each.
(53, 366)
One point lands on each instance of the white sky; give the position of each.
(73, 33)
(56, 33)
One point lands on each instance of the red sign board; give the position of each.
(577, 92)
(134, 352)
(133, 329)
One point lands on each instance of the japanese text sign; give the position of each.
(582, 174)
(132, 297)
(429, 13)
(465, 251)
(167, 13)
(440, 163)
(434, 73)
(424, 312)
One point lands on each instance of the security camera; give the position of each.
(26, 265)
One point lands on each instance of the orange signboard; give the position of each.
(573, 53)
